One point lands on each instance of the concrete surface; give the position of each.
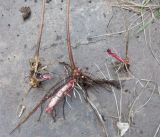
(89, 18)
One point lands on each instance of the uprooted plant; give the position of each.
(77, 79)
(37, 70)
(122, 63)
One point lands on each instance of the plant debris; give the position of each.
(77, 80)
(114, 55)
(38, 72)
(121, 63)
(123, 127)
(23, 108)
(26, 12)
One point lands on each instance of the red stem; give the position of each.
(72, 64)
(114, 55)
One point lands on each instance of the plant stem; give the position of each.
(127, 39)
(72, 64)
(40, 31)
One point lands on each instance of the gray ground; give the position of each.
(89, 18)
